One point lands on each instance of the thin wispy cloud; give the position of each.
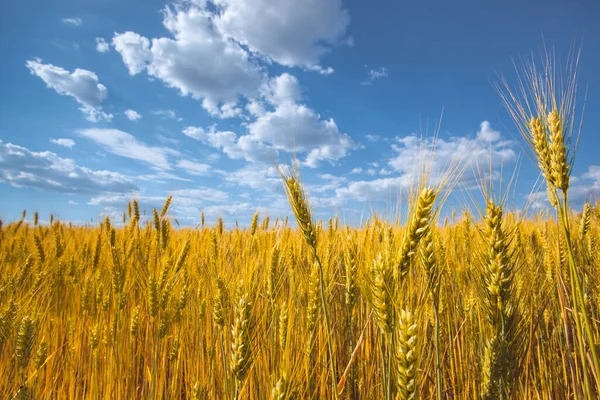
(75, 21)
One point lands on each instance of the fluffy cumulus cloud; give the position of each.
(125, 145)
(101, 45)
(22, 167)
(282, 123)
(197, 60)
(134, 49)
(68, 143)
(472, 154)
(458, 155)
(289, 32)
(216, 50)
(81, 84)
(132, 115)
(234, 147)
(295, 127)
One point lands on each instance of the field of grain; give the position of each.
(488, 305)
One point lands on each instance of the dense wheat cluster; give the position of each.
(147, 311)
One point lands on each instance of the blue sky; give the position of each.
(102, 101)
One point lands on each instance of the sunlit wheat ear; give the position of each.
(539, 140)
(182, 255)
(214, 248)
(40, 355)
(97, 251)
(254, 224)
(312, 308)
(558, 151)
(273, 274)
(283, 389)
(135, 324)
(220, 303)
(156, 223)
(417, 225)
(381, 286)
(298, 202)
(406, 355)
(166, 207)
(241, 358)
(165, 233)
(94, 338)
(183, 298)
(7, 320)
(39, 247)
(586, 219)
(497, 266)
(351, 268)
(25, 340)
(136, 210)
(153, 296)
(490, 388)
(427, 255)
(498, 272)
(283, 325)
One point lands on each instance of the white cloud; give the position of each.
(413, 152)
(479, 153)
(244, 147)
(69, 143)
(185, 206)
(331, 182)
(72, 21)
(73, 202)
(22, 167)
(197, 61)
(282, 89)
(288, 127)
(101, 45)
(134, 49)
(214, 49)
(297, 128)
(229, 210)
(170, 114)
(162, 177)
(294, 127)
(125, 145)
(374, 74)
(377, 189)
(486, 133)
(255, 177)
(374, 138)
(132, 115)
(357, 170)
(80, 84)
(202, 193)
(585, 188)
(289, 32)
(194, 168)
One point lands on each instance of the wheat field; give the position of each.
(490, 304)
